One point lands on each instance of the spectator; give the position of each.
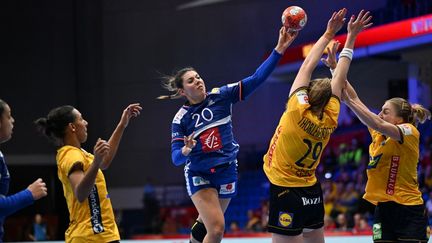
(169, 226)
(349, 199)
(429, 207)
(329, 223)
(39, 229)
(234, 228)
(341, 222)
(254, 222)
(360, 224)
(264, 214)
(151, 209)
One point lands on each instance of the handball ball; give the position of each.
(294, 18)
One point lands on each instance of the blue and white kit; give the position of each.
(210, 121)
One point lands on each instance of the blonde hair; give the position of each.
(411, 113)
(319, 93)
(174, 83)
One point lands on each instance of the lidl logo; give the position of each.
(285, 219)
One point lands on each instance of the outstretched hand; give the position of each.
(132, 110)
(285, 39)
(356, 25)
(331, 60)
(336, 21)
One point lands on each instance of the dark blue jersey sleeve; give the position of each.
(250, 83)
(13, 203)
(177, 142)
(176, 155)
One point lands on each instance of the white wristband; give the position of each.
(347, 52)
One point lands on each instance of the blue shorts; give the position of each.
(222, 177)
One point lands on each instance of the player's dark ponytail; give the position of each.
(174, 83)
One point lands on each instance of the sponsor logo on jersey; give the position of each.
(286, 191)
(406, 129)
(285, 219)
(311, 201)
(373, 161)
(211, 140)
(391, 183)
(98, 228)
(174, 134)
(273, 146)
(95, 211)
(227, 188)
(215, 91)
(179, 116)
(304, 172)
(377, 231)
(199, 181)
(302, 97)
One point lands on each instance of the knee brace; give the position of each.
(198, 231)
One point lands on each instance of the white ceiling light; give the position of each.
(198, 3)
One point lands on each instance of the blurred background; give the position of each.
(101, 55)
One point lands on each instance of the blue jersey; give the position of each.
(211, 122)
(10, 204)
(4, 177)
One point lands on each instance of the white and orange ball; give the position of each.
(294, 18)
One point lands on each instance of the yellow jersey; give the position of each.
(392, 168)
(297, 144)
(93, 219)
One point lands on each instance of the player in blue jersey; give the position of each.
(203, 140)
(37, 190)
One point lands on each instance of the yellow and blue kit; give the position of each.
(93, 219)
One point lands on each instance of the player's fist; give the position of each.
(38, 189)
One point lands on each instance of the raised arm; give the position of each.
(133, 110)
(355, 26)
(104, 151)
(368, 118)
(331, 60)
(304, 74)
(266, 68)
